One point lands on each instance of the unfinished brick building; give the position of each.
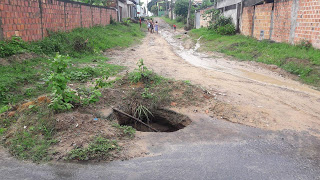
(290, 21)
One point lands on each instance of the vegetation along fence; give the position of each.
(31, 19)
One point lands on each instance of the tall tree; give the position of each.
(181, 8)
(188, 17)
(171, 8)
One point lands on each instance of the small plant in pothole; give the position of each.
(126, 130)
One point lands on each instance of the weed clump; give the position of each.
(32, 135)
(64, 98)
(100, 149)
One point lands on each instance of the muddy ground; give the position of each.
(249, 93)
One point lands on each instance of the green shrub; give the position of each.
(127, 130)
(34, 134)
(100, 148)
(14, 46)
(228, 29)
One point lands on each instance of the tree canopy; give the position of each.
(154, 10)
(151, 3)
(181, 8)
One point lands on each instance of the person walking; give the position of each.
(151, 26)
(148, 25)
(156, 26)
(140, 21)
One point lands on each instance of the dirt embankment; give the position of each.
(245, 93)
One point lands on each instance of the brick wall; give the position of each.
(282, 21)
(30, 19)
(20, 18)
(204, 20)
(308, 22)
(262, 21)
(292, 21)
(246, 21)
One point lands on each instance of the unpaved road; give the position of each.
(211, 147)
(251, 93)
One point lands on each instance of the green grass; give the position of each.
(26, 80)
(100, 148)
(34, 134)
(298, 60)
(78, 43)
(172, 22)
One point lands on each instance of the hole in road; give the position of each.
(163, 120)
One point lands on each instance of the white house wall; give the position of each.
(225, 3)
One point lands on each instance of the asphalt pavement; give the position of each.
(207, 149)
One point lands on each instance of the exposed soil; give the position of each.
(77, 129)
(248, 93)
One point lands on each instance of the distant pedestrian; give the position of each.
(156, 26)
(151, 26)
(140, 21)
(174, 27)
(148, 25)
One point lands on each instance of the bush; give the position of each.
(11, 47)
(228, 29)
(181, 19)
(223, 25)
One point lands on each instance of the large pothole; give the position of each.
(163, 120)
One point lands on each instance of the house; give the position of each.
(127, 9)
(161, 8)
(290, 21)
(229, 8)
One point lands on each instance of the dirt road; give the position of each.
(210, 148)
(248, 93)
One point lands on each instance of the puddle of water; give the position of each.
(200, 60)
(270, 80)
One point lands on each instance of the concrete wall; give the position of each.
(231, 13)
(124, 10)
(30, 19)
(225, 3)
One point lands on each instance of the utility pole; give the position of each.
(147, 7)
(166, 7)
(188, 17)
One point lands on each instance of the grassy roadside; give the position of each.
(26, 68)
(25, 77)
(172, 22)
(298, 60)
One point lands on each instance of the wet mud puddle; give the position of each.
(221, 65)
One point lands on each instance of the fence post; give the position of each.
(253, 17)
(65, 16)
(1, 30)
(41, 21)
(271, 23)
(91, 16)
(81, 16)
(294, 17)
